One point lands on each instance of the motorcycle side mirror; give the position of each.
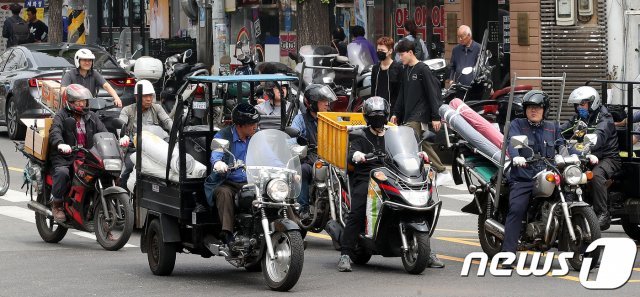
(188, 53)
(219, 144)
(292, 132)
(429, 137)
(520, 141)
(342, 59)
(467, 70)
(139, 47)
(580, 129)
(70, 125)
(300, 151)
(489, 54)
(590, 139)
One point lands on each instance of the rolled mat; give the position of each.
(477, 140)
(478, 122)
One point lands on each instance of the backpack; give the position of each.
(419, 53)
(20, 32)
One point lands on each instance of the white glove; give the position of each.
(124, 141)
(64, 148)
(592, 159)
(519, 161)
(423, 156)
(358, 157)
(220, 167)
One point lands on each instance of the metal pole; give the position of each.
(138, 139)
(503, 150)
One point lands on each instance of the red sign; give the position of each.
(287, 44)
(421, 17)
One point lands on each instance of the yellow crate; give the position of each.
(333, 136)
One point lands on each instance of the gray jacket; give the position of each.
(155, 115)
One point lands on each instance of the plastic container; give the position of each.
(333, 135)
(148, 68)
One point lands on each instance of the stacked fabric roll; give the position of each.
(458, 123)
(478, 122)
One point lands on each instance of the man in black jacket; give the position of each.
(61, 138)
(419, 99)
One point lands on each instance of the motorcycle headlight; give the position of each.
(416, 198)
(278, 190)
(112, 164)
(572, 175)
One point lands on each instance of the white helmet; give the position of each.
(83, 54)
(585, 93)
(147, 89)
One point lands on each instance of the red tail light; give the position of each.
(123, 82)
(490, 109)
(199, 93)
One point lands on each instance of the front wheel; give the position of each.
(4, 176)
(283, 272)
(587, 230)
(632, 230)
(114, 228)
(416, 258)
(48, 229)
(161, 255)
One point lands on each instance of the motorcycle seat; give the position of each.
(198, 66)
(506, 90)
(180, 70)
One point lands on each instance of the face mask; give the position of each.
(583, 112)
(382, 55)
(377, 122)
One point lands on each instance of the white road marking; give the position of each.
(461, 197)
(461, 187)
(451, 213)
(29, 216)
(16, 196)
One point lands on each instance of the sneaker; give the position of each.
(434, 262)
(605, 221)
(443, 178)
(344, 265)
(304, 214)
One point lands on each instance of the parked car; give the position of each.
(21, 67)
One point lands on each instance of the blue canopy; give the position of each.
(242, 78)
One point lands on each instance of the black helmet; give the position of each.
(376, 112)
(536, 97)
(245, 114)
(317, 92)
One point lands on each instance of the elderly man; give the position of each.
(465, 54)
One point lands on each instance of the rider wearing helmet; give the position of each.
(545, 139)
(272, 102)
(222, 185)
(85, 75)
(361, 142)
(317, 98)
(62, 138)
(152, 114)
(589, 109)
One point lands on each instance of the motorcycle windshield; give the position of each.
(359, 56)
(317, 55)
(269, 156)
(402, 147)
(106, 145)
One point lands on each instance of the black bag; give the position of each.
(20, 32)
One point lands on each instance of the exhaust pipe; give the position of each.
(494, 228)
(41, 209)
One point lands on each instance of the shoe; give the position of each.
(605, 221)
(443, 178)
(344, 265)
(434, 262)
(227, 238)
(58, 211)
(304, 214)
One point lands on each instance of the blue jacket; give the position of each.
(545, 140)
(215, 179)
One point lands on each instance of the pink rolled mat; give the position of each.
(479, 123)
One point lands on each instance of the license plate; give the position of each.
(199, 105)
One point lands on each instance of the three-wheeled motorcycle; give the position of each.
(264, 237)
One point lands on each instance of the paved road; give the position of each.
(78, 266)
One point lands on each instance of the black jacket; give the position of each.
(392, 85)
(362, 140)
(420, 96)
(58, 134)
(600, 123)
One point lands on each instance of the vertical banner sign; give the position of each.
(76, 32)
(38, 4)
(506, 32)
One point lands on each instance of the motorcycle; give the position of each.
(404, 210)
(93, 203)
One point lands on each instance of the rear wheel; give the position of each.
(161, 255)
(633, 230)
(490, 244)
(283, 272)
(15, 128)
(114, 229)
(587, 230)
(4, 176)
(416, 258)
(48, 229)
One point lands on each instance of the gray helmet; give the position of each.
(585, 93)
(376, 111)
(317, 92)
(76, 92)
